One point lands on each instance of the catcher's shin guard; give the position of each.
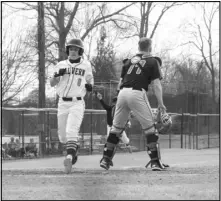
(109, 151)
(153, 151)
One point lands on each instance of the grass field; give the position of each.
(193, 175)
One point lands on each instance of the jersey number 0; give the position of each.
(79, 82)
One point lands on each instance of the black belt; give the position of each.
(134, 88)
(70, 99)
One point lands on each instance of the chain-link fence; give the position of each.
(179, 97)
(188, 131)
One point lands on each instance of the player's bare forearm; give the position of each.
(54, 81)
(158, 92)
(119, 84)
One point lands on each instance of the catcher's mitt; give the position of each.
(163, 122)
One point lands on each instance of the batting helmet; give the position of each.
(77, 43)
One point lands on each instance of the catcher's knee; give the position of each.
(113, 139)
(150, 130)
(117, 131)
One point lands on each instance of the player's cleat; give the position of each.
(105, 163)
(156, 165)
(111, 163)
(165, 165)
(67, 165)
(129, 148)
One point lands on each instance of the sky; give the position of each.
(168, 35)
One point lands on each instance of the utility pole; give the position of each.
(41, 76)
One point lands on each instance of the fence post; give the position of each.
(197, 132)
(48, 141)
(181, 133)
(189, 131)
(208, 132)
(22, 129)
(170, 140)
(91, 135)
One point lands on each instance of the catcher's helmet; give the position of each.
(77, 43)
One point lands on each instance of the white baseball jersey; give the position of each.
(72, 83)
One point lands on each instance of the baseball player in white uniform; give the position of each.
(73, 78)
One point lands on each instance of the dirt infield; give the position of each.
(193, 174)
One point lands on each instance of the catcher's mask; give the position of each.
(166, 119)
(163, 122)
(76, 43)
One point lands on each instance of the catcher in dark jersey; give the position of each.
(137, 74)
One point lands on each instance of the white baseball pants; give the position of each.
(70, 116)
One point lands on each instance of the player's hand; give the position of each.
(99, 96)
(162, 109)
(88, 87)
(128, 124)
(61, 72)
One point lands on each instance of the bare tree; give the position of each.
(63, 20)
(142, 25)
(17, 66)
(202, 40)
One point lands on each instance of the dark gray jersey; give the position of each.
(139, 71)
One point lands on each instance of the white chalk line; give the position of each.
(209, 162)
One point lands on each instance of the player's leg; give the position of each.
(62, 116)
(124, 138)
(75, 117)
(126, 141)
(143, 113)
(108, 131)
(63, 111)
(119, 122)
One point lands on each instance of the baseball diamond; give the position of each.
(110, 100)
(193, 175)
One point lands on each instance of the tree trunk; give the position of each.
(41, 94)
(41, 54)
(213, 92)
(62, 54)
